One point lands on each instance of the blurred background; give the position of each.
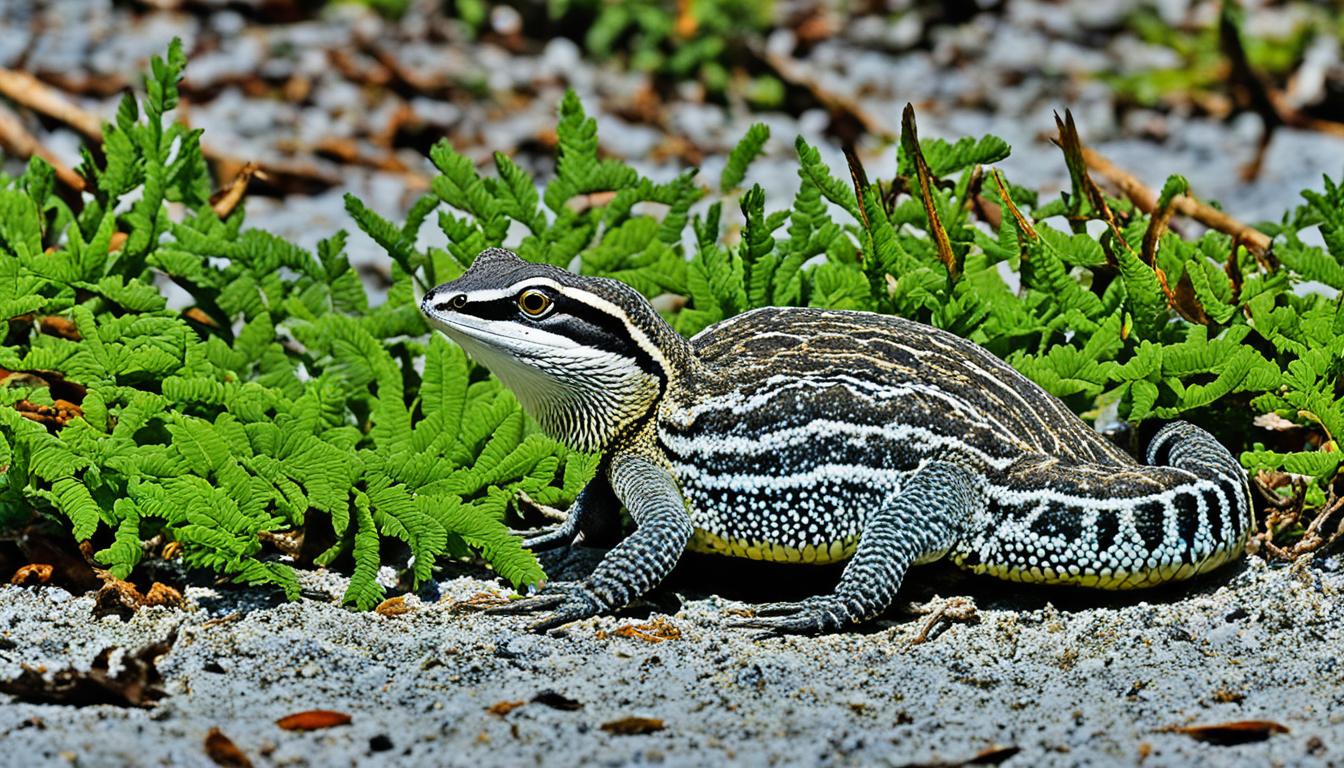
(348, 95)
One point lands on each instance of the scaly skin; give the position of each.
(812, 436)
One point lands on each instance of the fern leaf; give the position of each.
(72, 498)
(500, 548)
(364, 590)
(735, 170)
(125, 552)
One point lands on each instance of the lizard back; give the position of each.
(807, 420)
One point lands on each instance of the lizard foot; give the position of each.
(812, 616)
(567, 600)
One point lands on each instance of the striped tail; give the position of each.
(1114, 526)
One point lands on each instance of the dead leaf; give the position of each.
(198, 315)
(1186, 302)
(656, 631)
(58, 414)
(225, 200)
(313, 720)
(32, 574)
(222, 751)
(393, 606)
(502, 708)
(162, 594)
(1230, 733)
(558, 701)
(137, 682)
(56, 325)
(633, 726)
(1275, 423)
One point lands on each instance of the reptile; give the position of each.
(807, 435)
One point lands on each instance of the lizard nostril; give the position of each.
(457, 301)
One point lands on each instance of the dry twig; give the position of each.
(1256, 242)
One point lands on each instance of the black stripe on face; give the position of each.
(585, 324)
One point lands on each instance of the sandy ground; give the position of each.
(1066, 678)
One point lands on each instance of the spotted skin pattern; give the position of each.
(816, 436)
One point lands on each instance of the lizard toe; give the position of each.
(527, 605)
(542, 539)
(576, 605)
(811, 617)
(783, 608)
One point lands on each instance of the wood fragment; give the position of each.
(28, 91)
(480, 601)
(991, 755)
(56, 325)
(940, 611)
(122, 597)
(556, 700)
(135, 683)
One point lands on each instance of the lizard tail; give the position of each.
(1115, 527)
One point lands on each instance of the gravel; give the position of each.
(1065, 678)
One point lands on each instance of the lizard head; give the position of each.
(586, 356)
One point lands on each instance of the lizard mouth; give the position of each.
(512, 337)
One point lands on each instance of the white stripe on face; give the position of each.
(506, 335)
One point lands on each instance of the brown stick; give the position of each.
(1255, 241)
(17, 141)
(795, 73)
(27, 90)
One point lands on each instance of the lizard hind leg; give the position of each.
(919, 523)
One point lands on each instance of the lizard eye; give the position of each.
(534, 303)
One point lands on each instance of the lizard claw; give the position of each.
(812, 616)
(567, 601)
(782, 609)
(545, 510)
(543, 539)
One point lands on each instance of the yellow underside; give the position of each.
(704, 541)
(834, 552)
(1106, 579)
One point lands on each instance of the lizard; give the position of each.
(809, 435)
